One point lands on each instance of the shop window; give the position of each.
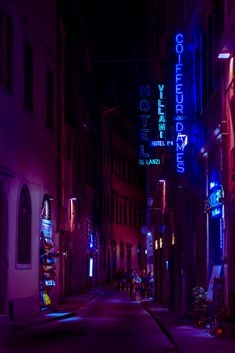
(6, 50)
(24, 228)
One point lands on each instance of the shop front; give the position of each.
(215, 293)
(48, 254)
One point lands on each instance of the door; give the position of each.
(3, 249)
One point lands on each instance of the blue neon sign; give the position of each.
(146, 108)
(91, 241)
(181, 137)
(215, 200)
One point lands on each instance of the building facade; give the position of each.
(200, 85)
(123, 195)
(29, 160)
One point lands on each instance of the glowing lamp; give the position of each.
(219, 332)
(224, 55)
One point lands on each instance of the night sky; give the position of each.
(117, 33)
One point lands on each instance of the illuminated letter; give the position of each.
(159, 107)
(144, 119)
(144, 134)
(142, 153)
(162, 119)
(179, 147)
(144, 105)
(178, 77)
(179, 157)
(144, 90)
(179, 127)
(179, 49)
(179, 101)
(179, 109)
(180, 168)
(178, 88)
(179, 38)
(179, 67)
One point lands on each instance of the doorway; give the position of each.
(3, 249)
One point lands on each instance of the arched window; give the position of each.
(24, 227)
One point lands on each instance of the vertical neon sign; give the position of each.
(181, 137)
(161, 112)
(145, 112)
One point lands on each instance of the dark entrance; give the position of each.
(3, 248)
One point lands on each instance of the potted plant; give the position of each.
(200, 305)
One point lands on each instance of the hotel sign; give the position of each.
(161, 136)
(153, 124)
(146, 114)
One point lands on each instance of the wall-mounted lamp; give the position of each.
(225, 54)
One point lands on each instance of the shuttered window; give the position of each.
(24, 227)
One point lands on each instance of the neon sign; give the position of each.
(161, 123)
(161, 112)
(215, 200)
(145, 115)
(181, 137)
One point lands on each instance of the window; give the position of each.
(24, 228)
(6, 50)
(28, 76)
(49, 100)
